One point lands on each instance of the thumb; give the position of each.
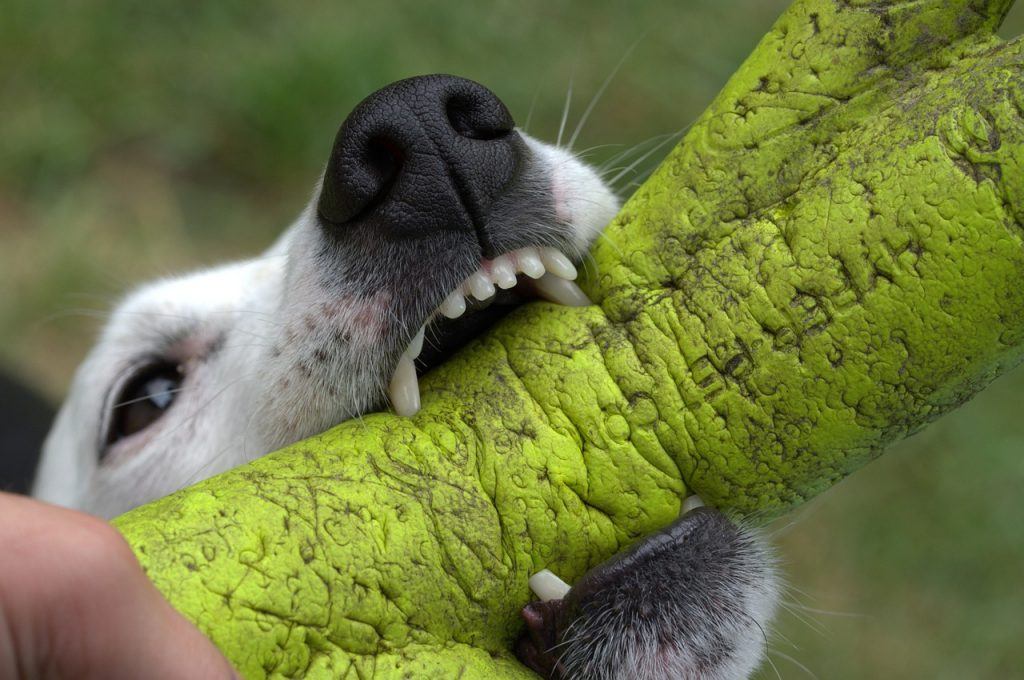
(74, 603)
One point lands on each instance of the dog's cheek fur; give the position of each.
(328, 346)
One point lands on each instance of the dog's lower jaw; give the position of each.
(692, 602)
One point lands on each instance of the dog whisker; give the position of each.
(639, 160)
(162, 393)
(600, 91)
(565, 115)
(793, 661)
(529, 112)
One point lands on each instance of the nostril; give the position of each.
(385, 159)
(359, 176)
(478, 115)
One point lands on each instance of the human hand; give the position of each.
(74, 603)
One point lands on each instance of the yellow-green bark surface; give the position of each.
(831, 259)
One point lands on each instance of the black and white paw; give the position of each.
(692, 601)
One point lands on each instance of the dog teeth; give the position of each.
(561, 291)
(454, 305)
(416, 346)
(480, 285)
(551, 268)
(692, 502)
(530, 263)
(557, 263)
(404, 390)
(553, 273)
(547, 586)
(503, 272)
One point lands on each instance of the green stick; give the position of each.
(831, 259)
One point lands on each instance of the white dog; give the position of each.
(431, 206)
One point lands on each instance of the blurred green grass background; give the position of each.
(141, 138)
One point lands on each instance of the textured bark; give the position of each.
(830, 260)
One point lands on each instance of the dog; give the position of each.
(431, 207)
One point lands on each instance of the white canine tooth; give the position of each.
(692, 502)
(547, 586)
(454, 305)
(564, 292)
(503, 272)
(530, 263)
(557, 263)
(404, 390)
(416, 346)
(480, 286)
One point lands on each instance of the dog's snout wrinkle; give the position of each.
(423, 155)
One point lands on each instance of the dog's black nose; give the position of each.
(421, 155)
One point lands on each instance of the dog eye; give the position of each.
(145, 397)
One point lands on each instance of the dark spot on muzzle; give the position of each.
(418, 157)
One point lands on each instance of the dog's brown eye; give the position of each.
(145, 397)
